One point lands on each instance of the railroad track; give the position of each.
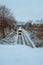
(19, 41)
(30, 42)
(27, 42)
(23, 39)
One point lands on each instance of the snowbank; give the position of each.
(20, 55)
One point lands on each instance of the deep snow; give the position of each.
(20, 55)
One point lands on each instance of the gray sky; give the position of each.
(25, 10)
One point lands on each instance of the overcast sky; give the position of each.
(25, 10)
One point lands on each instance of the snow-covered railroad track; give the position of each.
(21, 38)
(27, 42)
(19, 41)
(28, 38)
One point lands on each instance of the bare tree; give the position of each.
(5, 18)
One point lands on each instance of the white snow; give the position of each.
(20, 55)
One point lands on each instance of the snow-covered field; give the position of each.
(20, 55)
(12, 53)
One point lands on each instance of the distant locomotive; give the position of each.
(19, 31)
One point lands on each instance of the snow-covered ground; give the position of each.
(20, 55)
(9, 39)
(17, 54)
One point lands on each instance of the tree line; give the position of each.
(7, 21)
(38, 28)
